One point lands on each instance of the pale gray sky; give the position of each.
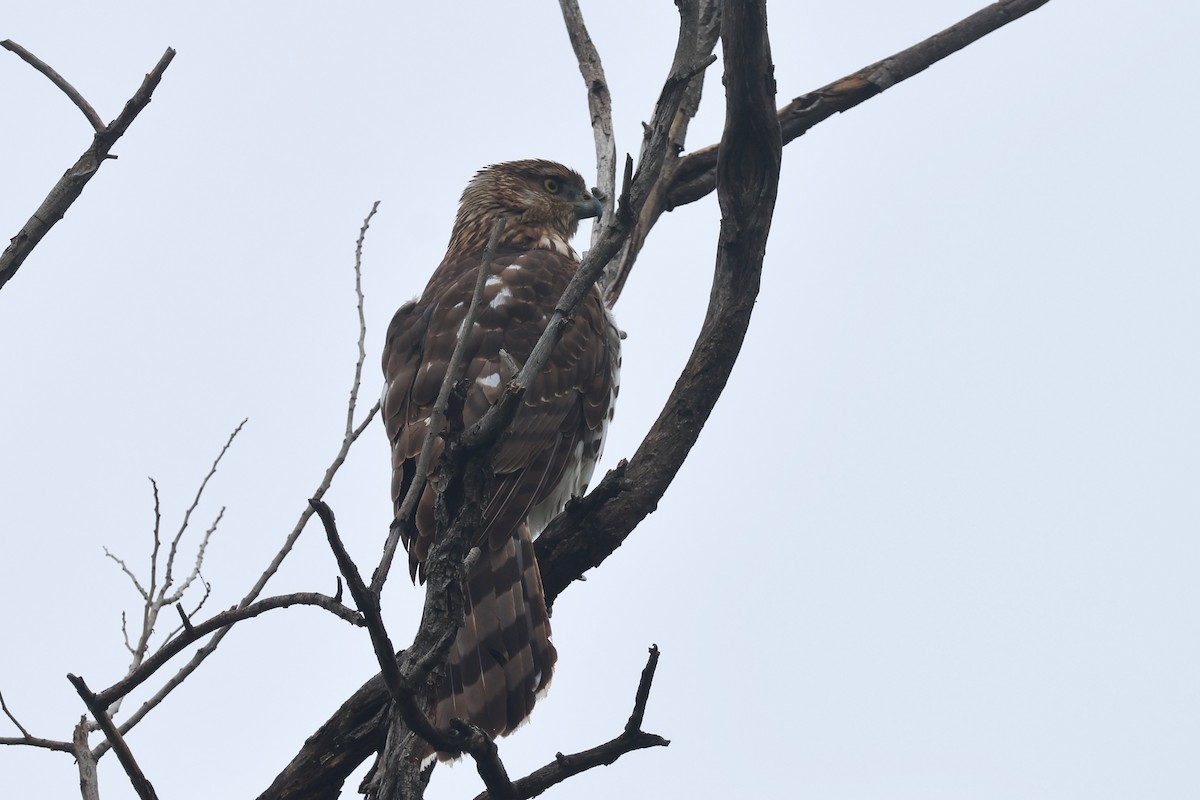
(939, 539)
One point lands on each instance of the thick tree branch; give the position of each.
(355, 732)
(136, 777)
(89, 779)
(71, 184)
(748, 170)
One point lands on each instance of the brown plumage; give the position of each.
(503, 658)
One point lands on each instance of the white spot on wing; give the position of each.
(491, 381)
(502, 297)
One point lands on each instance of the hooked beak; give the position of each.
(588, 206)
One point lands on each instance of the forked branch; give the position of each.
(71, 184)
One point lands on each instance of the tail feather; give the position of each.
(502, 659)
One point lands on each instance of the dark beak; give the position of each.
(588, 206)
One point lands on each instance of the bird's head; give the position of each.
(543, 201)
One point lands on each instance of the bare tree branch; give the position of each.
(156, 596)
(136, 777)
(194, 632)
(348, 439)
(687, 63)
(58, 80)
(696, 176)
(599, 104)
(368, 605)
(617, 272)
(362, 320)
(89, 780)
(71, 184)
(26, 738)
(563, 767)
(592, 528)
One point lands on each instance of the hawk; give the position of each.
(502, 659)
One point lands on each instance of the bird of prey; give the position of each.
(502, 659)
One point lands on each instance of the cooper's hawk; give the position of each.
(502, 659)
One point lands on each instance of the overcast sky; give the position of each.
(938, 540)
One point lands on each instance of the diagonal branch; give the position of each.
(706, 31)
(26, 738)
(697, 175)
(71, 184)
(136, 777)
(194, 632)
(348, 440)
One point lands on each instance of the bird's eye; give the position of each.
(551, 185)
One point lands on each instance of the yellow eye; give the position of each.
(550, 185)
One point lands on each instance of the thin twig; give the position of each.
(198, 564)
(26, 738)
(128, 572)
(9, 714)
(137, 778)
(187, 515)
(217, 623)
(158, 596)
(57, 80)
(289, 542)
(563, 767)
(454, 372)
(362, 320)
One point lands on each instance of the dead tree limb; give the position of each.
(590, 530)
(563, 767)
(350, 436)
(71, 184)
(195, 631)
(89, 778)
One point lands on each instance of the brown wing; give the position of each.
(557, 434)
